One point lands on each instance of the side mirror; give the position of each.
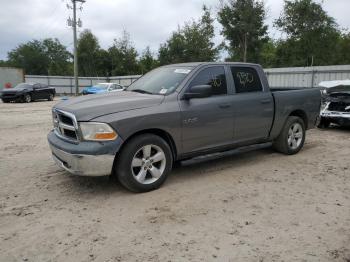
(199, 91)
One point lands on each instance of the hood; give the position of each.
(13, 90)
(86, 108)
(337, 86)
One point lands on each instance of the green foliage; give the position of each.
(4, 63)
(147, 62)
(244, 29)
(123, 56)
(88, 54)
(343, 49)
(311, 35)
(41, 57)
(268, 54)
(193, 42)
(31, 57)
(58, 57)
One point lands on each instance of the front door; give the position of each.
(207, 122)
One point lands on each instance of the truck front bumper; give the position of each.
(340, 118)
(84, 158)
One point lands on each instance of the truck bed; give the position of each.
(303, 102)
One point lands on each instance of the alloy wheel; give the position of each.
(148, 164)
(295, 136)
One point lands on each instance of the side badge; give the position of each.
(190, 120)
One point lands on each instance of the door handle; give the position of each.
(266, 101)
(224, 106)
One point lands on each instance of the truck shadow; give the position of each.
(95, 186)
(336, 128)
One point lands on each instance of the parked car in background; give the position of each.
(25, 92)
(336, 103)
(178, 112)
(102, 88)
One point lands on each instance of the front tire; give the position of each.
(292, 137)
(27, 98)
(50, 98)
(144, 163)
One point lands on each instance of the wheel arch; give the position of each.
(300, 113)
(155, 131)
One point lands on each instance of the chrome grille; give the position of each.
(65, 125)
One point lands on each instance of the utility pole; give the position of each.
(74, 24)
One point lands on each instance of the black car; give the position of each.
(27, 92)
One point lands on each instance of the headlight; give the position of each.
(94, 131)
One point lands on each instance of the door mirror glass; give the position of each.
(198, 91)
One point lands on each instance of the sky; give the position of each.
(149, 22)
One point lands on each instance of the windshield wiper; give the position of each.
(141, 91)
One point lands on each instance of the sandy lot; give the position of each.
(258, 206)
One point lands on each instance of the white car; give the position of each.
(103, 88)
(336, 103)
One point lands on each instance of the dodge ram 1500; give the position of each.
(174, 113)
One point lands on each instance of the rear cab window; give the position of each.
(246, 79)
(213, 76)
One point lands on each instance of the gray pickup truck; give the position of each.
(175, 113)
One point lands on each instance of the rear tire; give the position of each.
(27, 98)
(144, 163)
(50, 98)
(292, 137)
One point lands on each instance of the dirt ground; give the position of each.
(257, 206)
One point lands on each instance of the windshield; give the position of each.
(161, 81)
(101, 86)
(21, 86)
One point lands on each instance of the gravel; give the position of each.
(257, 206)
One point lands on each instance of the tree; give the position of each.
(123, 56)
(268, 54)
(31, 57)
(193, 42)
(44, 57)
(244, 29)
(147, 61)
(58, 57)
(311, 35)
(88, 54)
(343, 49)
(4, 63)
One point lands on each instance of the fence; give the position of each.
(278, 77)
(306, 76)
(65, 84)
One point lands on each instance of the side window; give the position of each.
(246, 79)
(213, 76)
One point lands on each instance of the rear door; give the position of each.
(252, 104)
(207, 122)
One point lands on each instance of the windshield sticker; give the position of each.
(182, 71)
(163, 91)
